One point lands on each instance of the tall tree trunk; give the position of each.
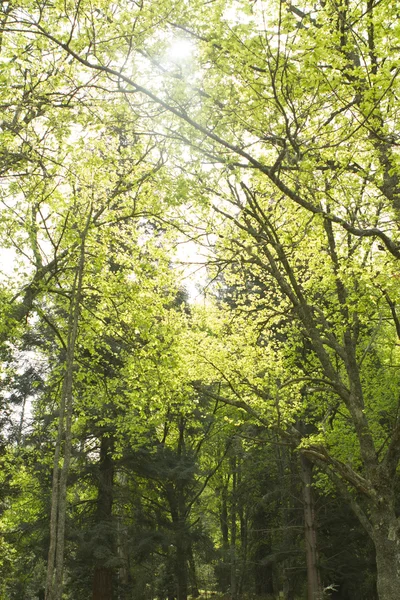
(386, 538)
(314, 587)
(102, 584)
(387, 562)
(180, 564)
(175, 493)
(182, 537)
(233, 530)
(103, 574)
(181, 567)
(55, 564)
(289, 473)
(224, 517)
(194, 586)
(243, 548)
(224, 576)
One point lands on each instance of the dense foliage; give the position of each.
(244, 439)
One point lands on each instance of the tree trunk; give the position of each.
(233, 530)
(181, 525)
(224, 518)
(243, 549)
(224, 574)
(55, 562)
(103, 574)
(194, 586)
(176, 501)
(387, 548)
(181, 569)
(102, 584)
(288, 470)
(314, 588)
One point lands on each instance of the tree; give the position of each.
(328, 355)
(306, 132)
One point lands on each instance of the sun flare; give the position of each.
(180, 50)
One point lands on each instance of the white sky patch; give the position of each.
(192, 263)
(180, 49)
(7, 262)
(235, 15)
(22, 414)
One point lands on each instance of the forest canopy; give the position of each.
(199, 332)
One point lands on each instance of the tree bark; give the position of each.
(387, 562)
(289, 473)
(55, 564)
(175, 492)
(314, 587)
(102, 584)
(181, 569)
(224, 517)
(233, 529)
(385, 534)
(194, 586)
(103, 574)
